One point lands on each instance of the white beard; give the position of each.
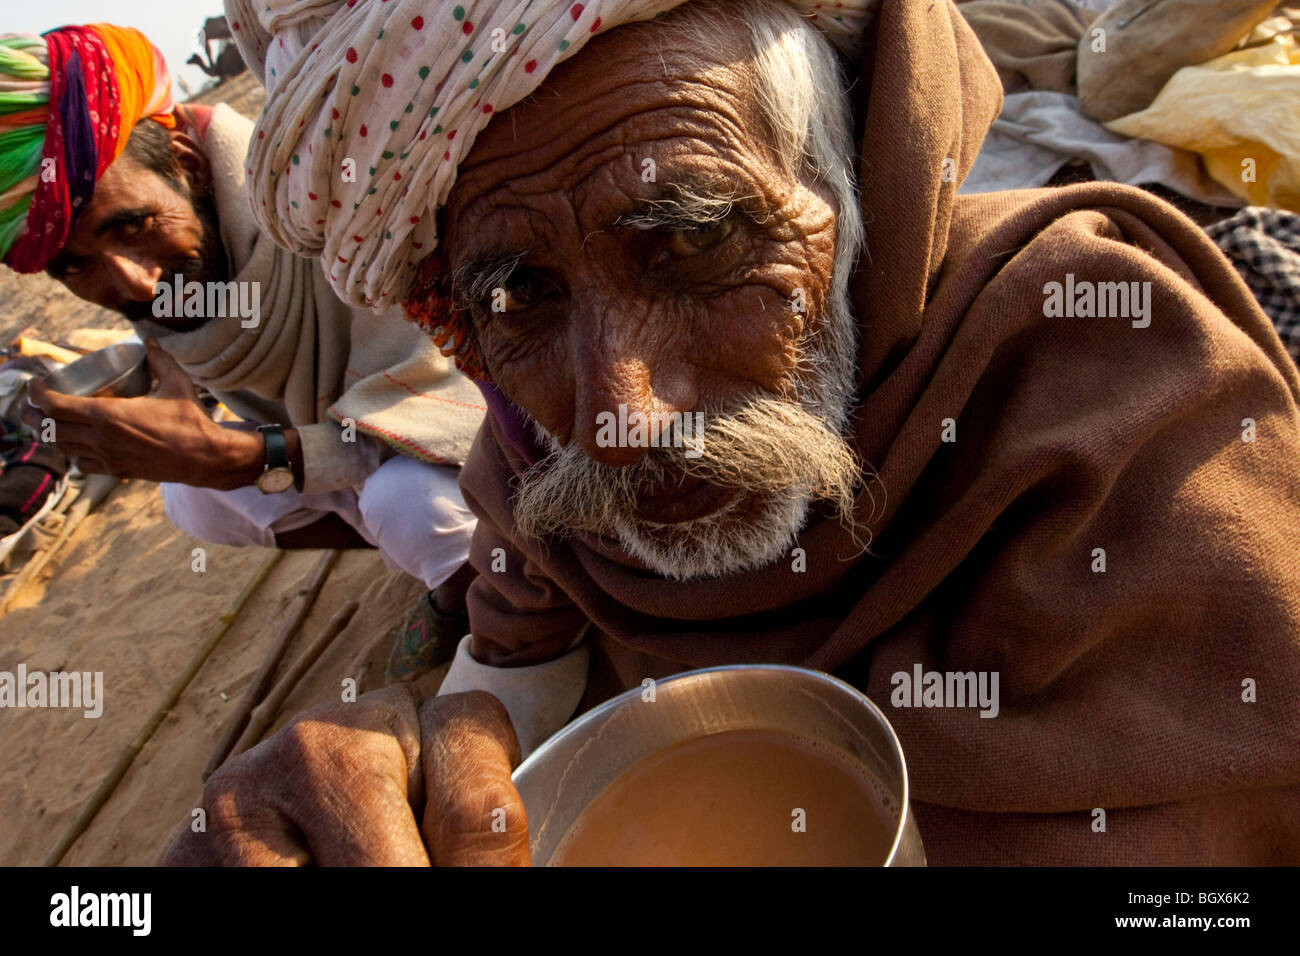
(720, 543)
(790, 454)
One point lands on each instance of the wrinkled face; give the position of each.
(628, 244)
(139, 229)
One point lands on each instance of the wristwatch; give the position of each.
(277, 476)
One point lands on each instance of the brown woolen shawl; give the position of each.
(1120, 690)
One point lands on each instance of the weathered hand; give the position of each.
(166, 436)
(346, 784)
(473, 815)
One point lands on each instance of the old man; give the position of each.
(355, 425)
(907, 462)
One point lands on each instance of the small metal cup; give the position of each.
(119, 371)
(565, 774)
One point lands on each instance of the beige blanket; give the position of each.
(312, 361)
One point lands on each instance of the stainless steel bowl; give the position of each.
(119, 371)
(562, 777)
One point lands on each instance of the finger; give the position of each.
(32, 415)
(240, 828)
(327, 788)
(188, 846)
(173, 381)
(473, 815)
(357, 768)
(40, 397)
(59, 405)
(228, 849)
(36, 390)
(228, 839)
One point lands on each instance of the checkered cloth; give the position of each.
(1264, 246)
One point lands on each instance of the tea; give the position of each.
(737, 798)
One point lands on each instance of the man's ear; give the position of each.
(193, 162)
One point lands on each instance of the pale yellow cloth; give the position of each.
(1241, 112)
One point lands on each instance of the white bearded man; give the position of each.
(906, 461)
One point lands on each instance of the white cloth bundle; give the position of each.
(396, 91)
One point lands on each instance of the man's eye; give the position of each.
(525, 288)
(132, 227)
(698, 238)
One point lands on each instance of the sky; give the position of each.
(172, 25)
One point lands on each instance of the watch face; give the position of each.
(275, 480)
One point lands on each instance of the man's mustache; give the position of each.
(768, 448)
(199, 269)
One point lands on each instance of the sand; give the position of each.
(123, 599)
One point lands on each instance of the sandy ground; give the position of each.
(122, 598)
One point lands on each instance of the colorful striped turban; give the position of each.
(402, 88)
(68, 103)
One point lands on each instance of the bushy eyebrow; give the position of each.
(121, 218)
(690, 203)
(475, 278)
(680, 204)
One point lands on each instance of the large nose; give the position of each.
(628, 380)
(133, 280)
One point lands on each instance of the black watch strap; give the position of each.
(277, 450)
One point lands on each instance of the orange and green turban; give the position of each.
(68, 102)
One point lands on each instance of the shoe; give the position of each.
(424, 640)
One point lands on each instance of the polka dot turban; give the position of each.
(401, 88)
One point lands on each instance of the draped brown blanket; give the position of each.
(1120, 689)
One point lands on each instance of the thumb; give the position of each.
(473, 815)
(37, 391)
(173, 381)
